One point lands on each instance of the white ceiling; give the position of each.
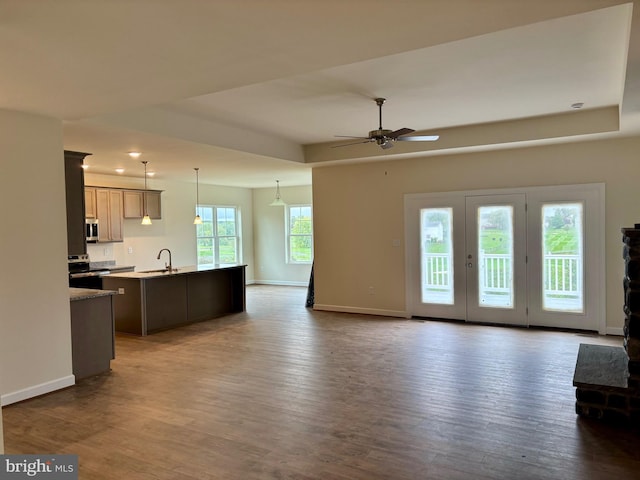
(257, 90)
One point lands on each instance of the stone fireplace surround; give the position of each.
(607, 379)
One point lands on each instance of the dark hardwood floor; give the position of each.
(285, 392)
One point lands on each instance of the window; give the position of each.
(436, 227)
(562, 257)
(299, 233)
(218, 237)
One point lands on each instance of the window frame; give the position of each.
(215, 237)
(290, 236)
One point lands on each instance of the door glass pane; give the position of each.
(495, 256)
(562, 259)
(436, 271)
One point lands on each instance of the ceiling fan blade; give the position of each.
(354, 143)
(348, 136)
(419, 138)
(402, 131)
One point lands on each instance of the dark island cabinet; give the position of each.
(151, 302)
(166, 302)
(215, 294)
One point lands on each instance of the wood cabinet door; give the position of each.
(90, 202)
(132, 201)
(115, 215)
(103, 215)
(109, 215)
(152, 200)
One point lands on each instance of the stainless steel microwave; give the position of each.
(92, 230)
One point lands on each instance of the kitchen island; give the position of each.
(152, 301)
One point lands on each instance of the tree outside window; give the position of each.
(218, 237)
(300, 233)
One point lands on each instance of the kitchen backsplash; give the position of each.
(100, 252)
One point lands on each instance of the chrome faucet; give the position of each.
(168, 267)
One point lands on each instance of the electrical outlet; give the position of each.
(372, 291)
(120, 291)
(130, 249)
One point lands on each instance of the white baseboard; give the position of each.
(37, 390)
(284, 283)
(615, 331)
(365, 311)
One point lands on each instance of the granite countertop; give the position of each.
(109, 265)
(85, 293)
(176, 271)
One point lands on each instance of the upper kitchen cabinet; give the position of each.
(90, 202)
(109, 214)
(134, 203)
(154, 206)
(74, 189)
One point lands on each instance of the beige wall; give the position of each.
(175, 230)
(35, 332)
(358, 212)
(270, 238)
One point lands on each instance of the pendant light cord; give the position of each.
(144, 200)
(197, 187)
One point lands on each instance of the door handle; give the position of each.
(469, 265)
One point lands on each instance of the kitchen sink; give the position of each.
(160, 270)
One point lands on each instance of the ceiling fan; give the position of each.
(386, 138)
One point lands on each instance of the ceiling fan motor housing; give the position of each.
(380, 134)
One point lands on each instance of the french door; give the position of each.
(527, 257)
(496, 278)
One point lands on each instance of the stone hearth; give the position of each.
(607, 379)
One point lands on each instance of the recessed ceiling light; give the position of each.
(577, 105)
(151, 174)
(120, 170)
(134, 155)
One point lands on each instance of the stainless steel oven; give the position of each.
(81, 275)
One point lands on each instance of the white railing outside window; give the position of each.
(495, 273)
(563, 282)
(563, 278)
(437, 282)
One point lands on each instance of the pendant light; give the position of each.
(277, 202)
(197, 220)
(145, 220)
